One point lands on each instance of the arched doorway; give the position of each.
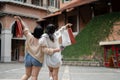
(0, 39)
(18, 45)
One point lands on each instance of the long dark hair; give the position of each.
(38, 31)
(50, 29)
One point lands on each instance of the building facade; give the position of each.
(77, 12)
(34, 12)
(13, 48)
(80, 12)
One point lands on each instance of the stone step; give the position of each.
(82, 63)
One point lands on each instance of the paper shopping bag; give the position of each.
(65, 38)
(19, 32)
(71, 36)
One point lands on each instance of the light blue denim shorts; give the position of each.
(30, 61)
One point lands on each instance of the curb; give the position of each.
(83, 63)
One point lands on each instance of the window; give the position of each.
(41, 2)
(53, 3)
(37, 2)
(64, 1)
(21, 0)
(0, 39)
(0, 28)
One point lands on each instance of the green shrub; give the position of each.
(88, 39)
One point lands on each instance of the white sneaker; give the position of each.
(50, 78)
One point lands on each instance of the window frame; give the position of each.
(65, 1)
(53, 3)
(20, 0)
(37, 2)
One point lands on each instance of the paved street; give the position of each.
(13, 71)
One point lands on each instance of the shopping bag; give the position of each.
(71, 36)
(65, 38)
(68, 37)
(19, 32)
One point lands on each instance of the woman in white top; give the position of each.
(34, 51)
(55, 60)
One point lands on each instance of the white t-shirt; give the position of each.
(54, 60)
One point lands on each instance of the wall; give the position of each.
(115, 34)
(28, 11)
(28, 14)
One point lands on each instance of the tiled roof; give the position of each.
(75, 3)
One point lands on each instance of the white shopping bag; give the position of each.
(65, 38)
(68, 37)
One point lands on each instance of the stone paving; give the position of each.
(14, 71)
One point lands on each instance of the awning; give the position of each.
(53, 14)
(109, 43)
(75, 3)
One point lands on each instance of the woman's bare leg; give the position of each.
(35, 72)
(50, 72)
(53, 72)
(27, 74)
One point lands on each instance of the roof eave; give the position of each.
(75, 3)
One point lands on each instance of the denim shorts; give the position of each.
(30, 61)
